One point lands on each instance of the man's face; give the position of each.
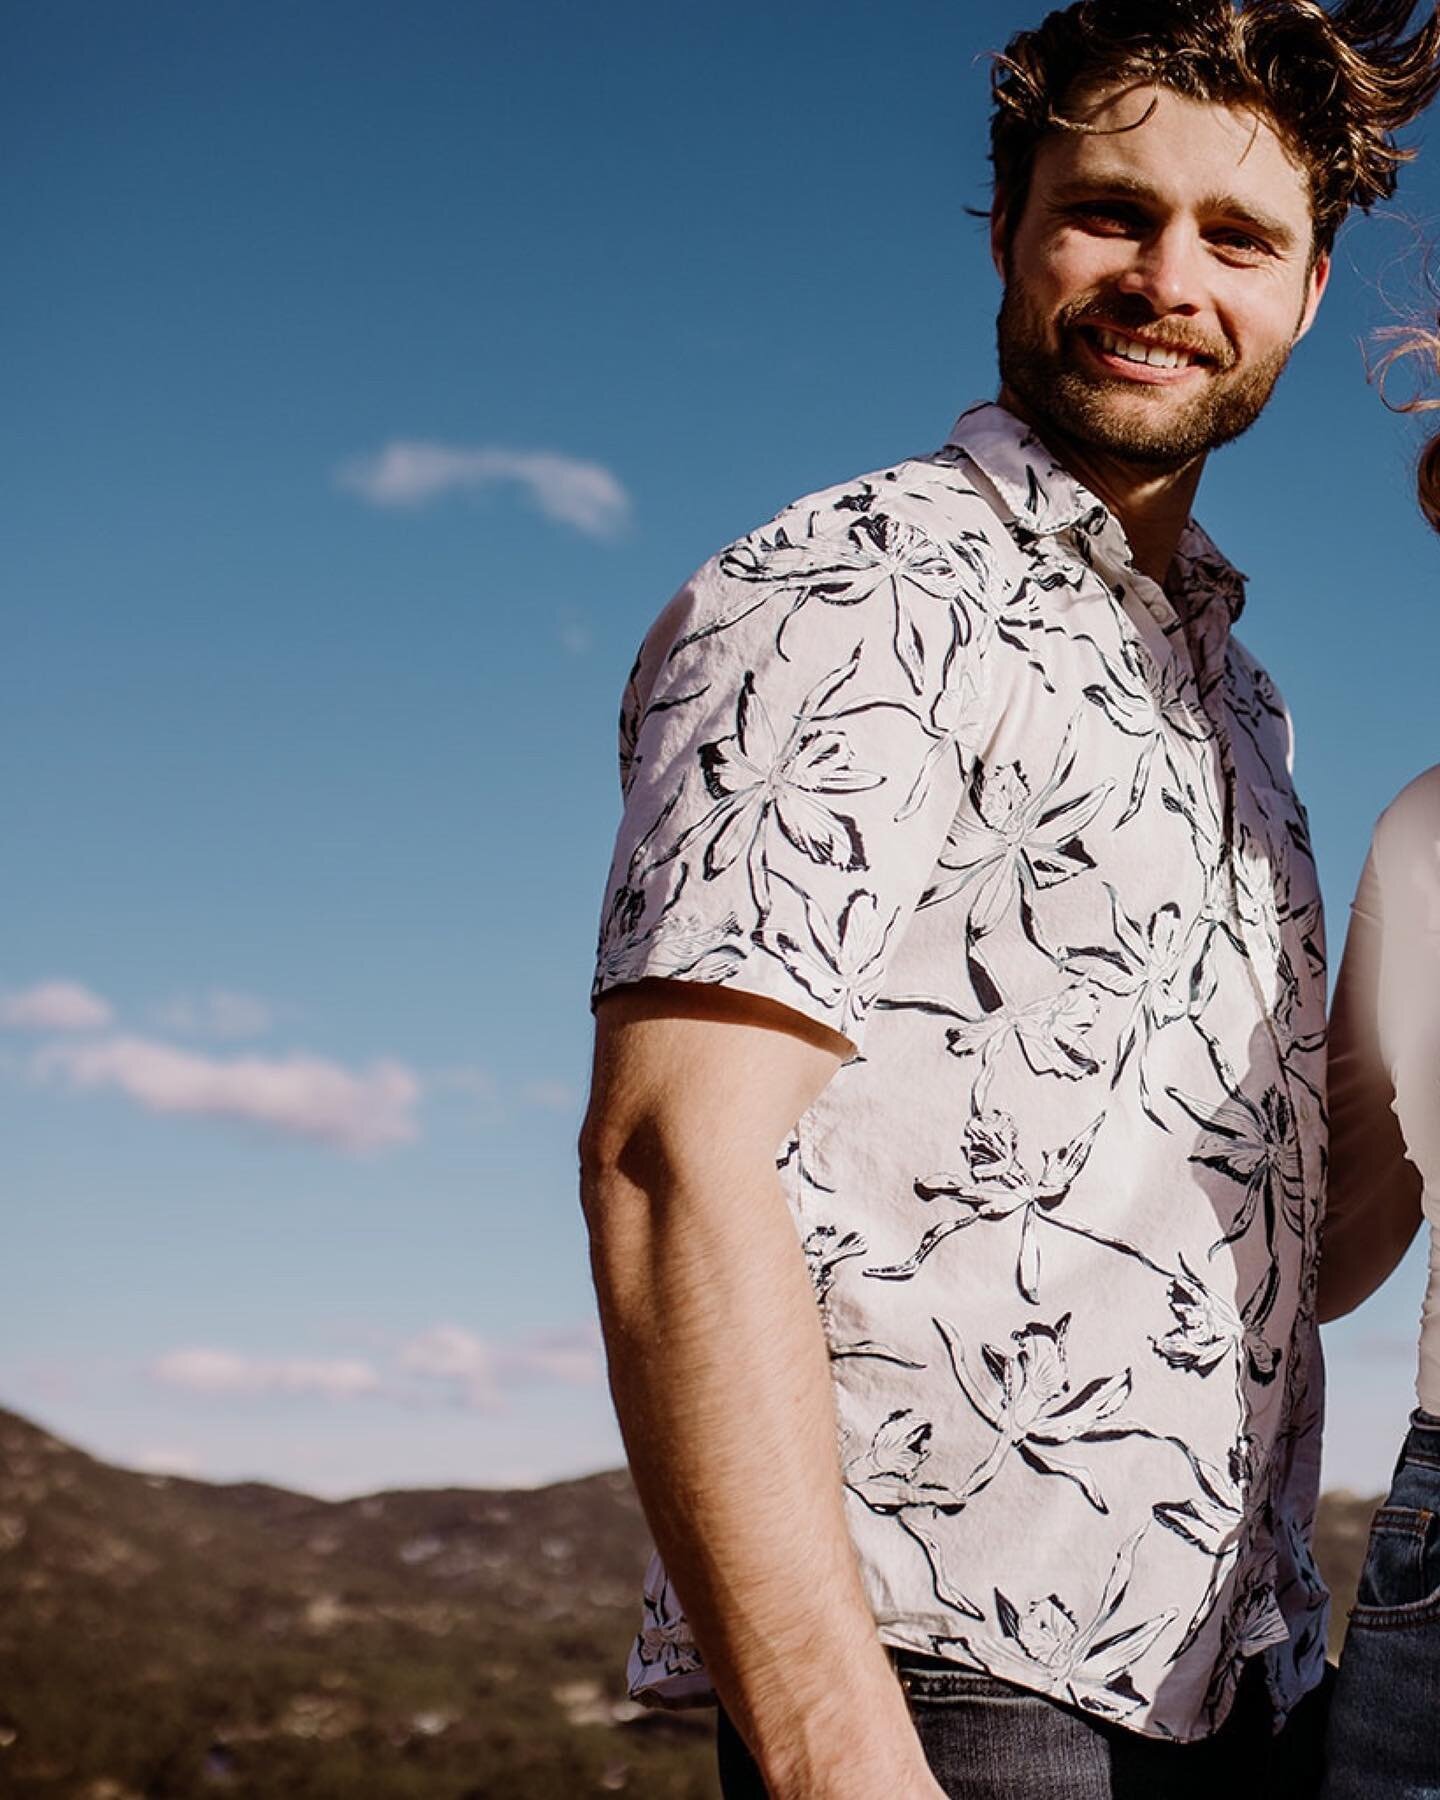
(1157, 278)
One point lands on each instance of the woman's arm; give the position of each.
(1372, 1208)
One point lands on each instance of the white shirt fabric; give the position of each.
(1385, 1065)
(928, 761)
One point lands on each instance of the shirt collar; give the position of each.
(1045, 499)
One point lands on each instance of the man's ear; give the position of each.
(1000, 231)
(1317, 282)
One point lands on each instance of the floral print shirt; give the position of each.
(930, 762)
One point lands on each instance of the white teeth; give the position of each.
(1129, 350)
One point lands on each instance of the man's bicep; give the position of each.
(682, 1065)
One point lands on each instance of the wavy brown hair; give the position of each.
(1411, 345)
(1336, 85)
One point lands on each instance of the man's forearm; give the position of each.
(721, 1381)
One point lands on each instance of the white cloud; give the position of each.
(203, 1371)
(571, 1356)
(407, 473)
(477, 1372)
(575, 636)
(217, 1013)
(456, 1358)
(297, 1096)
(55, 1006)
(478, 1083)
(553, 1096)
(446, 1364)
(479, 1086)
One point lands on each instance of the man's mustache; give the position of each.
(1127, 313)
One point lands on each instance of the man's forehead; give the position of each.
(1149, 133)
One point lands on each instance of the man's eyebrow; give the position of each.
(1227, 206)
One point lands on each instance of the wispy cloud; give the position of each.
(551, 1096)
(571, 1355)
(476, 1372)
(204, 1371)
(491, 1101)
(457, 1359)
(55, 1006)
(410, 473)
(297, 1096)
(446, 1365)
(479, 1087)
(573, 634)
(217, 1013)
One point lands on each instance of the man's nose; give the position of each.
(1166, 270)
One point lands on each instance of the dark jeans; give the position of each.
(1384, 1739)
(986, 1740)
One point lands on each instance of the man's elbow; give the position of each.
(602, 1153)
(622, 1177)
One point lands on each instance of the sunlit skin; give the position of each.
(1190, 234)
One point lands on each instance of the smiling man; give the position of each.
(954, 1159)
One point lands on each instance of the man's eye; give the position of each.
(1240, 243)
(1108, 216)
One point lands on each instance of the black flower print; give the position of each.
(635, 715)
(1210, 1332)
(826, 1249)
(1023, 621)
(1158, 968)
(1052, 1032)
(761, 781)
(1210, 1519)
(1252, 1624)
(1053, 1035)
(1252, 1141)
(665, 1638)
(955, 725)
(1026, 1398)
(1046, 1649)
(1158, 705)
(841, 964)
(683, 942)
(994, 1184)
(1012, 844)
(889, 1475)
(1258, 711)
(924, 1527)
(876, 555)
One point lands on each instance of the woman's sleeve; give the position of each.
(1373, 1201)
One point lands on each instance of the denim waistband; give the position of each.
(1422, 1441)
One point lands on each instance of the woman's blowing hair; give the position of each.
(1336, 85)
(1407, 344)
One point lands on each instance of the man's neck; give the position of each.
(1153, 506)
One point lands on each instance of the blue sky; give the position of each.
(376, 374)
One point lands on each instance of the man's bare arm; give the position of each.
(721, 1378)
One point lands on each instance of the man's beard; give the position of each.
(1079, 403)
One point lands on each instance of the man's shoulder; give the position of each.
(924, 519)
(935, 494)
(929, 529)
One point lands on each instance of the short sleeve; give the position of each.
(794, 744)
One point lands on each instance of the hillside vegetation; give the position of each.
(163, 1639)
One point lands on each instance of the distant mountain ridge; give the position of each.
(166, 1637)
(162, 1637)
